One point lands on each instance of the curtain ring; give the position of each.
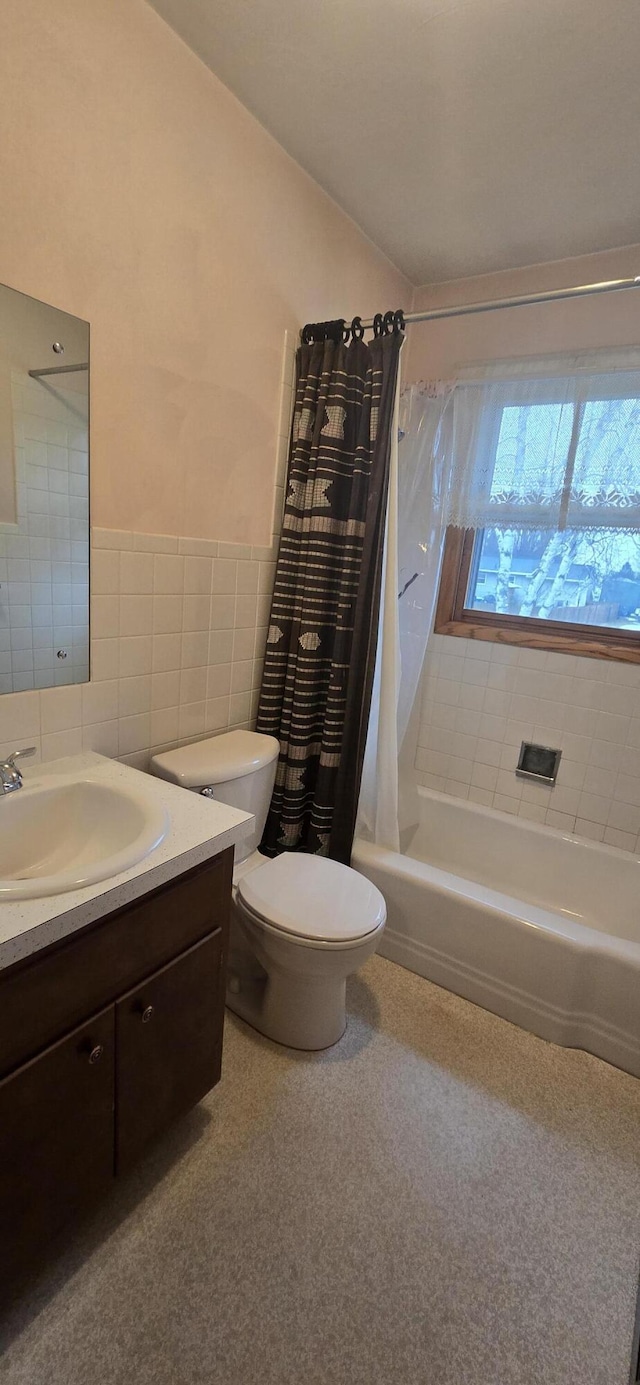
(346, 333)
(357, 330)
(378, 325)
(335, 330)
(388, 322)
(398, 321)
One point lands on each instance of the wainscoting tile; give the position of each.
(243, 643)
(62, 710)
(155, 543)
(220, 646)
(194, 649)
(136, 573)
(105, 571)
(191, 720)
(178, 633)
(99, 702)
(234, 550)
(196, 612)
(112, 538)
(204, 548)
(168, 574)
(167, 615)
(247, 576)
(134, 696)
(101, 736)
(136, 655)
(225, 574)
(193, 685)
(136, 615)
(165, 690)
(134, 733)
(223, 612)
(105, 617)
(217, 714)
(163, 726)
(197, 576)
(239, 707)
(218, 681)
(105, 657)
(166, 652)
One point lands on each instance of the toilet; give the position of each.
(300, 924)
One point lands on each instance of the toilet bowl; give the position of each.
(300, 924)
(310, 923)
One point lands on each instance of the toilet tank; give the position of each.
(238, 768)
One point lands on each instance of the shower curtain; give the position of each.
(542, 443)
(414, 538)
(321, 645)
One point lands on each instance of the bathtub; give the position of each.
(541, 927)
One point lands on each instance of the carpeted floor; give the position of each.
(440, 1199)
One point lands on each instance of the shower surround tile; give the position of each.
(480, 700)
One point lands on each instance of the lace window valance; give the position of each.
(552, 445)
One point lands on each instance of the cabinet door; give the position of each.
(168, 1046)
(56, 1140)
(44, 997)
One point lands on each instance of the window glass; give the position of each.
(589, 577)
(588, 451)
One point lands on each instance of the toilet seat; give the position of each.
(312, 899)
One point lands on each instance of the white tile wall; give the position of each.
(481, 700)
(177, 648)
(178, 629)
(44, 585)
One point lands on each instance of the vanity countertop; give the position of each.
(199, 829)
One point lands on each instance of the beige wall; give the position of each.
(140, 195)
(437, 348)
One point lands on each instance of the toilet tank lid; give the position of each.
(217, 759)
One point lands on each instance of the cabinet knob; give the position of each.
(96, 1053)
(147, 1014)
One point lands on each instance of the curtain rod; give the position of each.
(493, 305)
(58, 370)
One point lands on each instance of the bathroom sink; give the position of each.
(68, 835)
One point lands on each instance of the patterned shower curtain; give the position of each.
(320, 655)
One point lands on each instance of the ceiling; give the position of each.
(464, 136)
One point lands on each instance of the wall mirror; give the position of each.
(44, 495)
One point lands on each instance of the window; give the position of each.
(546, 549)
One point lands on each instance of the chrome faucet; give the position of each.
(10, 776)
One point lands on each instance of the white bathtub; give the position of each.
(538, 926)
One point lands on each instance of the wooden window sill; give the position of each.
(453, 618)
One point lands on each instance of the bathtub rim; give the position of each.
(578, 935)
(526, 824)
(538, 915)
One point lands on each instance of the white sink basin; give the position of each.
(72, 834)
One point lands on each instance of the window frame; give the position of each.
(454, 618)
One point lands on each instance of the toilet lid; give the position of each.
(314, 898)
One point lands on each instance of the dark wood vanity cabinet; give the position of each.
(168, 1049)
(105, 1038)
(56, 1139)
